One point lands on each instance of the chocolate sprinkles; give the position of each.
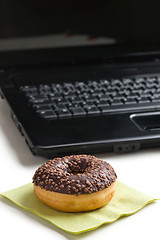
(76, 174)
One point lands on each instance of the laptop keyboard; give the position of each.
(52, 101)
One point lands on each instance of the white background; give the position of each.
(140, 170)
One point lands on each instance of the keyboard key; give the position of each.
(105, 108)
(31, 94)
(100, 106)
(140, 80)
(77, 111)
(155, 100)
(44, 104)
(92, 110)
(63, 112)
(44, 86)
(103, 102)
(70, 97)
(61, 100)
(88, 104)
(42, 108)
(132, 95)
(97, 92)
(105, 97)
(117, 102)
(68, 93)
(130, 101)
(50, 114)
(127, 80)
(68, 105)
(77, 100)
(54, 95)
(37, 100)
(143, 100)
(27, 88)
(91, 98)
(60, 106)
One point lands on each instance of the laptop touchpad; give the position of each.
(147, 121)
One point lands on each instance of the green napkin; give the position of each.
(126, 201)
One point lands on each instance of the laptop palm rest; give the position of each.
(147, 121)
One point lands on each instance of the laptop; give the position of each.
(84, 78)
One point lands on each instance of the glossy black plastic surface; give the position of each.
(109, 132)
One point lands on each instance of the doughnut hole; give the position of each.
(75, 167)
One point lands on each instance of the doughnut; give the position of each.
(76, 183)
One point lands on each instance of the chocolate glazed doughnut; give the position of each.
(75, 183)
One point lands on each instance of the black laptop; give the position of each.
(82, 77)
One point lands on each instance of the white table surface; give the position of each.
(140, 170)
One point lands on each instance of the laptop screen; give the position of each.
(57, 23)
